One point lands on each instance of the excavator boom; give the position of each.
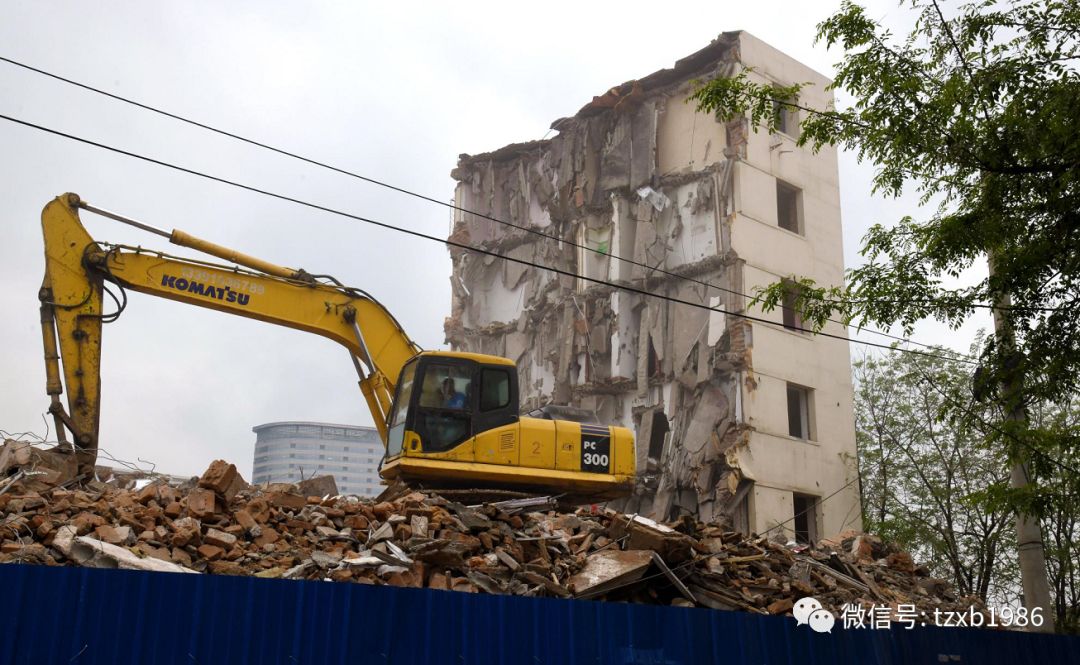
(77, 269)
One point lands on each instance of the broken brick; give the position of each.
(219, 538)
(201, 503)
(211, 552)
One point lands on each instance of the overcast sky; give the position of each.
(392, 90)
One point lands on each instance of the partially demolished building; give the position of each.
(638, 189)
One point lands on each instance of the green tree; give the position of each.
(976, 110)
(932, 478)
(1061, 516)
(926, 472)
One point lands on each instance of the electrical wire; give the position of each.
(460, 245)
(423, 197)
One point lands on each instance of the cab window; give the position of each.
(446, 387)
(446, 402)
(494, 389)
(396, 434)
(404, 396)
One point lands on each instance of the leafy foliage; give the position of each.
(977, 112)
(932, 472)
(925, 476)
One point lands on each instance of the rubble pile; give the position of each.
(220, 525)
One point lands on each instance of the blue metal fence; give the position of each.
(87, 616)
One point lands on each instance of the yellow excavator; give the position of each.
(447, 419)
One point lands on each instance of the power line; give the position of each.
(423, 197)
(453, 243)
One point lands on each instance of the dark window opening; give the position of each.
(443, 429)
(798, 409)
(787, 207)
(805, 506)
(660, 428)
(494, 389)
(654, 359)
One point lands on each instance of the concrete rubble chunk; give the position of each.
(318, 486)
(223, 479)
(325, 559)
(608, 569)
(288, 500)
(116, 535)
(421, 539)
(210, 552)
(201, 502)
(93, 553)
(219, 538)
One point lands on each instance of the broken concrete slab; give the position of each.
(322, 486)
(94, 553)
(608, 569)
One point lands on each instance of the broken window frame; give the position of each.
(800, 418)
(789, 216)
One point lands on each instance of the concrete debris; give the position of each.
(608, 569)
(421, 539)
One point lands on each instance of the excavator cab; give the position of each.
(455, 423)
(444, 398)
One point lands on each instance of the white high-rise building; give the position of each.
(288, 452)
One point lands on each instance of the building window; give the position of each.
(806, 520)
(798, 409)
(787, 117)
(792, 320)
(789, 207)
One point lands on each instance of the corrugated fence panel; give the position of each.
(89, 617)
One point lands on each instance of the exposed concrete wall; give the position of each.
(640, 174)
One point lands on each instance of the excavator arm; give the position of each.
(77, 270)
